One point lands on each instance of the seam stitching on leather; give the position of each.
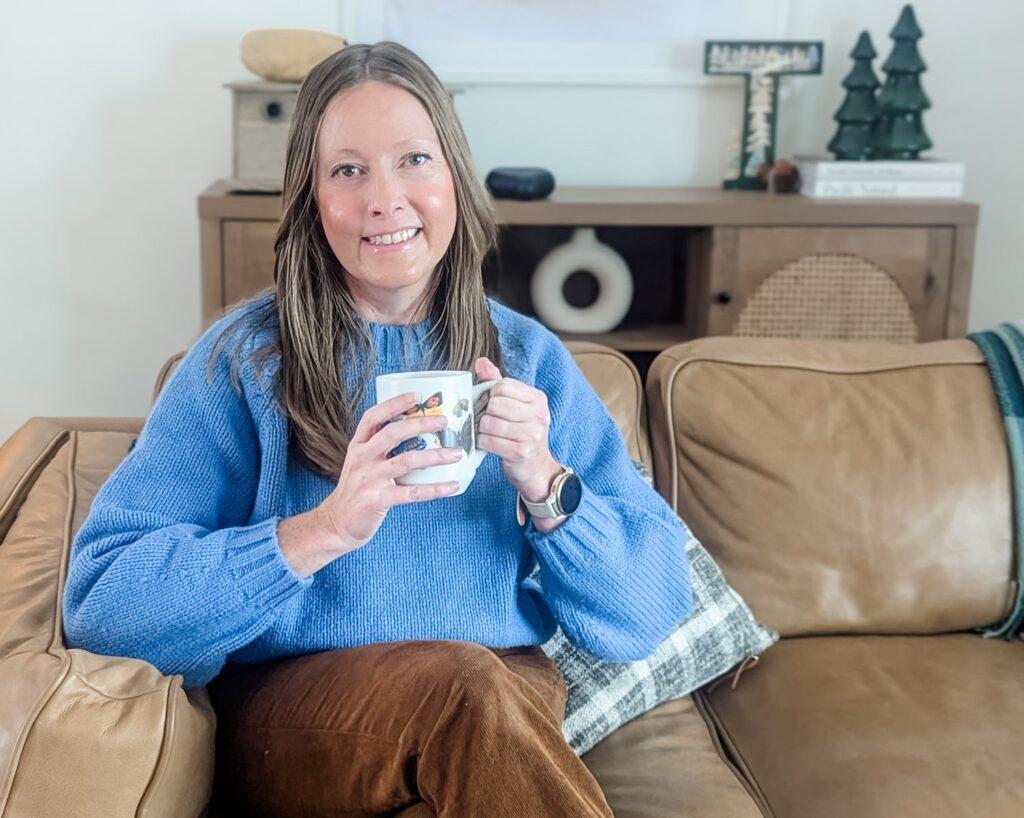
(744, 773)
(106, 695)
(57, 646)
(23, 734)
(49, 451)
(163, 754)
(666, 399)
(861, 370)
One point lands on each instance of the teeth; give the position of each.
(394, 238)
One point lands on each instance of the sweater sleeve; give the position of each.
(165, 567)
(615, 574)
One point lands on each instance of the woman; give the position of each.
(258, 517)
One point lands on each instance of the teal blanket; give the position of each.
(1003, 348)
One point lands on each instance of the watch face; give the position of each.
(570, 494)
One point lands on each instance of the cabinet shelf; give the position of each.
(704, 261)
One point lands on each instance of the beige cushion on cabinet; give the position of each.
(286, 54)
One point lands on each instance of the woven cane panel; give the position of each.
(829, 295)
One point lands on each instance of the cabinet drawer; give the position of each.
(856, 283)
(248, 258)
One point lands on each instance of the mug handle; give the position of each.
(478, 455)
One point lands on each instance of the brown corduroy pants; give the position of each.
(413, 729)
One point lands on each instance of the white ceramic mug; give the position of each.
(440, 392)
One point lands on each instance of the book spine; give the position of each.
(849, 190)
(882, 171)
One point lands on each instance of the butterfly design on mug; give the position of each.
(478, 410)
(463, 438)
(411, 445)
(431, 406)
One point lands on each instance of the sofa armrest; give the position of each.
(122, 738)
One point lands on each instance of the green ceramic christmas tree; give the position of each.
(898, 132)
(857, 114)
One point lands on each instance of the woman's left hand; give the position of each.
(515, 427)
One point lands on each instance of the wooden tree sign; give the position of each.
(760, 64)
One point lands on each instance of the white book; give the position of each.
(902, 189)
(819, 169)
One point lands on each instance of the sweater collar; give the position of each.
(400, 346)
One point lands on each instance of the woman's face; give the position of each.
(380, 170)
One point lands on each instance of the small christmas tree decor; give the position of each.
(859, 110)
(898, 132)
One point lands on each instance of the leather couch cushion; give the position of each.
(617, 382)
(843, 487)
(155, 750)
(665, 764)
(868, 726)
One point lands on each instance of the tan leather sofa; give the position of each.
(857, 496)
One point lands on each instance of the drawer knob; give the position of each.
(723, 297)
(273, 110)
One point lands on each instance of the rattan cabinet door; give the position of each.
(248, 258)
(852, 283)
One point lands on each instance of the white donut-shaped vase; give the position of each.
(582, 252)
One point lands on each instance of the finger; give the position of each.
(507, 429)
(503, 406)
(407, 461)
(498, 445)
(486, 370)
(512, 388)
(398, 495)
(374, 416)
(406, 429)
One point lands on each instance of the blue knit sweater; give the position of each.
(178, 561)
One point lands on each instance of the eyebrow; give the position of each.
(334, 154)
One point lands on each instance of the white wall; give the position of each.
(115, 119)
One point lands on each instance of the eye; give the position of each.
(419, 164)
(341, 168)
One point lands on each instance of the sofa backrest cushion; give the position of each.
(843, 487)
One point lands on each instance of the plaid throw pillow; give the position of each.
(719, 634)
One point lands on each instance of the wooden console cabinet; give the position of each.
(704, 261)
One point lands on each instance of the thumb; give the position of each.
(486, 370)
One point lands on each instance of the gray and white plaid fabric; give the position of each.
(719, 634)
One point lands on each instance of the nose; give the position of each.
(386, 194)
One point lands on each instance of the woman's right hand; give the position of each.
(367, 489)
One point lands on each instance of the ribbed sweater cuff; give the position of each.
(583, 534)
(263, 576)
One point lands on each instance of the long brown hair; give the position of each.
(318, 326)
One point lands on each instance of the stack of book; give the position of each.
(824, 178)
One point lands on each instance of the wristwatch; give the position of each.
(564, 499)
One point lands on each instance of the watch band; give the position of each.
(546, 508)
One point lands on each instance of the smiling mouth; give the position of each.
(413, 237)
